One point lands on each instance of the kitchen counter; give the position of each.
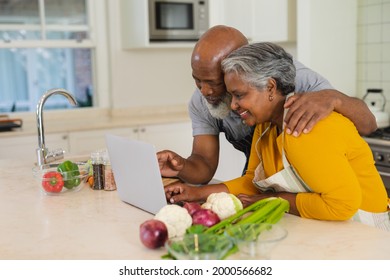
(92, 224)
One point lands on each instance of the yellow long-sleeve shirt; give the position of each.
(333, 160)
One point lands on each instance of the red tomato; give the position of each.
(52, 182)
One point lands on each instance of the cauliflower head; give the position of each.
(176, 218)
(223, 204)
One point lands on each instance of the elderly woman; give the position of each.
(328, 174)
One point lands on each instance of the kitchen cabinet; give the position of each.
(274, 21)
(233, 13)
(134, 19)
(176, 137)
(134, 23)
(259, 20)
(25, 146)
(166, 136)
(173, 136)
(85, 142)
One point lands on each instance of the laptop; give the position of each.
(137, 173)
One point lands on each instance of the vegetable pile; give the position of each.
(194, 218)
(67, 175)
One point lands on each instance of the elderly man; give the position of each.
(211, 114)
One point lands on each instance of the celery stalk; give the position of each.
(278, 213)
(251, 208)
(261, 214)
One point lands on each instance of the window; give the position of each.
(47, 44)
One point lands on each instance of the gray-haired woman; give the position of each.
(327, 174)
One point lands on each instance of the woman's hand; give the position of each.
(247, 200)
(180, 192)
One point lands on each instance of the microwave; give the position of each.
(177, 20)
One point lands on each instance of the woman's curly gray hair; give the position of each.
(258, 62)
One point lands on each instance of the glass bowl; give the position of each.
(199, 246)
(256, 241)
(48, 178)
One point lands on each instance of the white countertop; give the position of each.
(92, 224)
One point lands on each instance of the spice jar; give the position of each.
(109, 181)
(98, 170)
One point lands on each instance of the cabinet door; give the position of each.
(237, 14)
(85, 142)
(258, 20)
(175, 136)
(24, 147)
(273, 21)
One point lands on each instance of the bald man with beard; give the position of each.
(210, 111)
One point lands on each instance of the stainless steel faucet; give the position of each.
(43, 154)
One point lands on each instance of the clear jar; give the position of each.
(109, 181)
(98, 170)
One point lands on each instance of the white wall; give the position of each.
(326, 40)
(374, 47)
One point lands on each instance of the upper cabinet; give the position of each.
(134, 23)
(259, 20)
(173, 23)
(274, 21)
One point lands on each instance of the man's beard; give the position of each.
(222, 109)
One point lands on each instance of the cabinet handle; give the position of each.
(143, 129)
(64, 137)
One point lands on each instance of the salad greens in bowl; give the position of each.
(199, 246)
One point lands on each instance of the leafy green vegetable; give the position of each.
(200, 246)
(196, 229)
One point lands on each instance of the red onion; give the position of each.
(192, 207)
(153, 233)
(205, 217)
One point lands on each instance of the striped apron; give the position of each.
(288, 180)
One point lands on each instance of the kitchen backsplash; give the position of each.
(374, 47)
